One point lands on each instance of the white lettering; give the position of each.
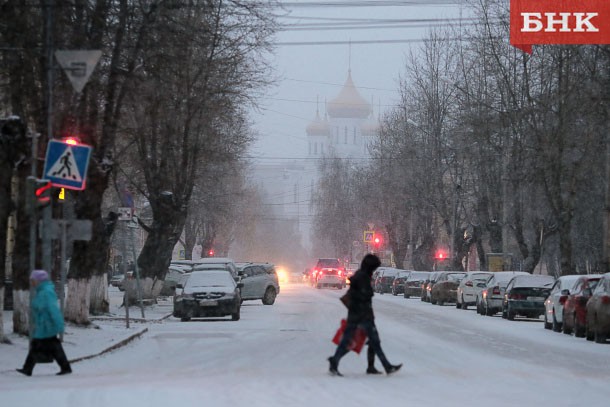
(562, 20)
(580, 22)
(531, 22)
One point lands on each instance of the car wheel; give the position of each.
(565, 328)
(394, 292)
(458, 305)
(441, 302)
(504, 313)
(599, 336)
(547, 324)
(464, 305)
(588, 332)
(488, 311)
(555, 325)
(235, 316)
(405, 295)
(185, 319)
(510, 315)
(579, 331)
(269, 297)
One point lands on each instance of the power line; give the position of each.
(347, 42)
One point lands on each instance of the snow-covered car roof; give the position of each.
(533, 281)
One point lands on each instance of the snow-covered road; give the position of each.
(276, 356)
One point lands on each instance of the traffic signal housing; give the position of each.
(38, 193)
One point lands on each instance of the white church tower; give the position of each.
(347, 129)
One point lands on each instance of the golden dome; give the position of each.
(349, 103)
(318, 127)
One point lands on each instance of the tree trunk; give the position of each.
(565, 245)
(21, 311)
(3, 338)
(89, 259)
(77, 303)
(21, 262)
(156, 254)
(99, 295)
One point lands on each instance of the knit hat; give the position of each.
(39, 275)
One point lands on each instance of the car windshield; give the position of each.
(212, 278)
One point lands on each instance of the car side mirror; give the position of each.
(240, 285)
(565, 292)
(179, 285)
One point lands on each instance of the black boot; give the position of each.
(372, 370)
(25, 372)
(334, 367)
(64, 371)
(392, 369)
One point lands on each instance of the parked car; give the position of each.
(445, 288)
(525, 295)
(398, 285)
(174, 276)
(117, 281)
(575, 306)
(489, 300)
(472, 283)
(329, 273)
(553, 305)
(413, 285)
(216, 263)
(207, 293)
(385, 278)
(598, 312)
(260, 282)
(428, 284)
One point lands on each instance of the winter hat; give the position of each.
(39, 275)
(370, 262)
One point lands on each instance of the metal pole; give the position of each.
(137, 271)
(62, 280)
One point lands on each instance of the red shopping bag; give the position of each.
(357, 341)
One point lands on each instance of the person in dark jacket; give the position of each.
(48, 323)
(360, 314)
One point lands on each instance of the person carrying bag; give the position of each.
(358, 300)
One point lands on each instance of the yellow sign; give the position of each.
(368, 236)
(62, 194)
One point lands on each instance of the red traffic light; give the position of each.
(43, 192)
(211, 253)
(441, 255)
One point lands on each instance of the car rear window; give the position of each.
(330, 263)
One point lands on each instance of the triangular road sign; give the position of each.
(78, 65)
(65, 167)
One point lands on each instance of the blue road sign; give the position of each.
(66, 164)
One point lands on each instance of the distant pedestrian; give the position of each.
(360, 314)
(48, 323)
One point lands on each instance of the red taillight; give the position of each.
(562, 299)
(339, 273)
(468, 284)
(496, 291)
(605, 299)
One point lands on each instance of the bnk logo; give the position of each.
(559, 22)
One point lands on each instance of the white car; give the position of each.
(490, 299)
(469, 287)
(553, 306)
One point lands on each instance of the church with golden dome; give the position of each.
(347, 127)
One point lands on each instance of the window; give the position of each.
(315, 148)
(345, 135)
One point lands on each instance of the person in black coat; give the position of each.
(360, 314)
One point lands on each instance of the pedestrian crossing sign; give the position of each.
(368, 236)
(66, 164)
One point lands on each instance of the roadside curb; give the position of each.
(113, 347)
(136, 320)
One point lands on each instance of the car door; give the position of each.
(247, 291)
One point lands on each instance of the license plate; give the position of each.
(535, 298)
(208, 303)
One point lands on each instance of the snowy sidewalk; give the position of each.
(106, 333)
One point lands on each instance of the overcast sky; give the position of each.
(310, 71)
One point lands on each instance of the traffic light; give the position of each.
(38, 193)
(377, 241)
(211, 253)
(440, 255)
